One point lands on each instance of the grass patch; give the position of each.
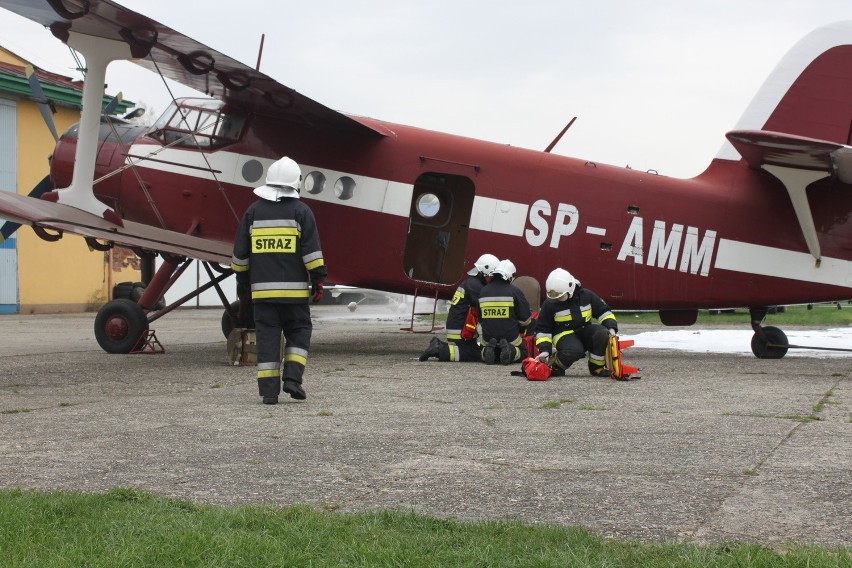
(556, 403)
(125, 527)
(16, 410)
(590, 407)
(750, 472)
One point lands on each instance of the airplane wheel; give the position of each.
(227, 325)
(772, 335)
(119, 325)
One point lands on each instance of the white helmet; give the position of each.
(506, 269)
(560, 284)
(484, 265)
(283, 179)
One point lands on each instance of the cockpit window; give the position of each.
(198, 123)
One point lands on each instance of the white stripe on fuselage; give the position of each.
(779, 263)
(492, 215)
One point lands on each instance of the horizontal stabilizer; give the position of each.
(761, 148)
(58, 217)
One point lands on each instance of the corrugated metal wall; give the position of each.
(8, 182)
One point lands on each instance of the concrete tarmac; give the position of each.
(706, 448)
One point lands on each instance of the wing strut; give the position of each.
(796, 181)
(98, 53)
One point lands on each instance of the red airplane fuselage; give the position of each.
(642, 241)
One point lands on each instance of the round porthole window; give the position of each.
(314, 182)
(344, 188)
(428, 205)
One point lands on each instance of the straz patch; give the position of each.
(273, 243)
(495, 312)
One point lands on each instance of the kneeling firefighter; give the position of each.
(505, 315)
(461, 344)
(565, 330)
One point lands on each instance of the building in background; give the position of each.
(38, 276)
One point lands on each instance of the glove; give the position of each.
(317, 291)
(543, 357)
(613, 332)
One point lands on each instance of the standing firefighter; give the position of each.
(505, 314)
(277, 250)
(565, 325)
(461, 342)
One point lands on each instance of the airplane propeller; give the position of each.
(40, 189)
(44, 105)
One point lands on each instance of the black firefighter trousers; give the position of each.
(271, 319)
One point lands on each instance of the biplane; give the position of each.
(405, 210)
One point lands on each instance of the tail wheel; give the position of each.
(766, 347)
(119, 325)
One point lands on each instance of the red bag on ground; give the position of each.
(535, 370)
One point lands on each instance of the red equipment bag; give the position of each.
(468, 332)
(535, 370)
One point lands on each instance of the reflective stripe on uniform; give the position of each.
(586, 312)
(605, 316)
(454, 352)
(266, 370)
(562, 316)
(313, 260)
(561, 335)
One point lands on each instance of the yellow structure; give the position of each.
(62, 276)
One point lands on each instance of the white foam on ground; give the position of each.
(739, 341)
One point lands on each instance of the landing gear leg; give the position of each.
(767, 342)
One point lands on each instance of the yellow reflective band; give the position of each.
(587, 315)
(293, 358)
(275, 231)
(238, 267)
(454, 352)
(608, 315)
(265, 374)
(273, 243)
(563, 318)
(561, 335)
(457, 297)
(541, 340)
(314, 264)
(263, 294)
(454, 336)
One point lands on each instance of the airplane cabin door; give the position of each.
(438, 226)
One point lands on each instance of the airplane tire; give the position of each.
(773, 335)
(227, 325)
(119, 325)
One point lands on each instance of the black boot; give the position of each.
(294, 389)
(433, 350)
(489, 353)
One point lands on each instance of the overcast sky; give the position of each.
(655, 85)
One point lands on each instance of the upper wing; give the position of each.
(59, 217)
(162, 49)
(761, 148)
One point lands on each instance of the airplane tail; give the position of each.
(808, 94)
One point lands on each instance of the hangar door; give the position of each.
(8, 182)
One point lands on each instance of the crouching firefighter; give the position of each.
(277, 250)
(565, 330)
(462, 317)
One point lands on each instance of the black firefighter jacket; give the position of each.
(278, 245)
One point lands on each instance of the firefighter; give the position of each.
(565, 330)
(504, 315)
(461, 344)
(277, 251)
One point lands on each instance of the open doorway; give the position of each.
(438, 226)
